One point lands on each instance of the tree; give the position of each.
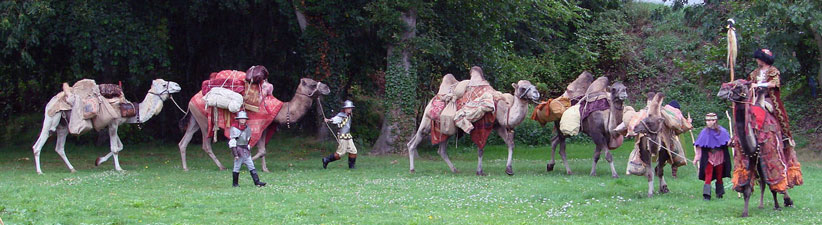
(400, 94)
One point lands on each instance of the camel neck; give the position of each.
(151, 106)
(297, 107)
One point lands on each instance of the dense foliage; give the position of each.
(349, 45)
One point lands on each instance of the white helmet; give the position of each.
(241, 115)
(348, 104)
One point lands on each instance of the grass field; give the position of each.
(154, 190)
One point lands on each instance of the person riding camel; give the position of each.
(767, 76)
(240, 135)
(711, 154)
(346, 144)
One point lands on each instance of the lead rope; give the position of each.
(326, 123)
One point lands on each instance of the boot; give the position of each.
(706, 192)
(330, 158)
(256, 178)
(236, 179)
(352, 159)
(720, 189)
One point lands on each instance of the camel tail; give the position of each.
(184, 122)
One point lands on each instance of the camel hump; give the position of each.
(448, 84)
(578, 87)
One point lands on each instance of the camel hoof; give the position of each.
(509, 171)
(549, 167)
(664, 189)
(745, 214)
(185, 169)
(97, 162)
(266, 170)
(39, 173)
(592, 174)
(221, 169)
(777, 208)
(650, 195)
(481, 173)
(788, 202)
(614, 176)
(73, 171)
(412, 171)
(568, 172)
(760, 207)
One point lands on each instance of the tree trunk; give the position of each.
(300, 17)
(397, 126)
(818, 37)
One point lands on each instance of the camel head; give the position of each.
(309, 87)
(619, 91)
(652, 124)
(160, 86)
(735, 91)
(525, 90)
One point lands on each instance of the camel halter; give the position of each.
(169, 96)
(288, 109)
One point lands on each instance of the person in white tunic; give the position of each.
(346, 144)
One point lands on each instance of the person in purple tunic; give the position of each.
(711, 154)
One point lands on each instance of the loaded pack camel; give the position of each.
(759, 151)
(510, 112)
(652, 131)
(151, 105)
(599, 125)
(290, 112)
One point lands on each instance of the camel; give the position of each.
(753, 153)
(291, 112)
(151, 105)
(651, 130)
(599, 125)
(510, 112)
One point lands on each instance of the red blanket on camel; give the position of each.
(258, 121)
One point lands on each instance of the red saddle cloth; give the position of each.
(259, 121)
(482, 127)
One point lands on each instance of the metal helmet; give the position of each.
(241, 115)
(348, 104)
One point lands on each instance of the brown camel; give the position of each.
(290, 112)
(599, 125)
(510, 112)
(151, 106)
(652, 131)
(752, 164)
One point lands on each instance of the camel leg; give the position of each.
(663, 186)
(50, 123)
(261, 153)
(550, 166)
(415, 141)
(787, 199)
(190, 130)
(444, 146)
(60, 147)
(480, 152)
(508, 137)
(761, 194)
(650, 175)
(747, 196)
(610, 158)
(207, 149)
(116, 145)
(775, 201)
(597, 153)
(564, 156)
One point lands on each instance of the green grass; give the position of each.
(155, 190)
